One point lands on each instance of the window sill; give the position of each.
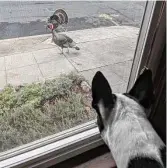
(56, 151)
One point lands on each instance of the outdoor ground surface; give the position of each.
(18, 19)
(34, 58)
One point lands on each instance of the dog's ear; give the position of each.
(101, 94)
(143, 89)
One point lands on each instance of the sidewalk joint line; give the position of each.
(38, 65)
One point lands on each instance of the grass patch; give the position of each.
(31, 112)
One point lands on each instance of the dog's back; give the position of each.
(124, 126)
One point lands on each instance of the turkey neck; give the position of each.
(54, 34)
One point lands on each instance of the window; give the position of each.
(48, 116)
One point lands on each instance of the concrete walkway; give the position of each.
(35, 58)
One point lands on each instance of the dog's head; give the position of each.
(108, 104)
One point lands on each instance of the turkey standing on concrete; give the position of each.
(62, 40)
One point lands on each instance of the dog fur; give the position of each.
(124, 126)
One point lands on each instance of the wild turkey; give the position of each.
(62, 40)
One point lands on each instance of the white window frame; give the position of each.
(141, 42)
(59, 147)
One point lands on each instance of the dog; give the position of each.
(123, 124)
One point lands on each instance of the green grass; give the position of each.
(34, 111)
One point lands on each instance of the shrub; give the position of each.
(37, 110)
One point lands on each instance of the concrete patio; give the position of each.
(35, 58)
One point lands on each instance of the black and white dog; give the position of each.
(124, 126)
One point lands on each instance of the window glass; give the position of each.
(45, 87)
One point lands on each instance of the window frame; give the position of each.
(59, 147)
(47, 140)
(144, 36)
(56, 152)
